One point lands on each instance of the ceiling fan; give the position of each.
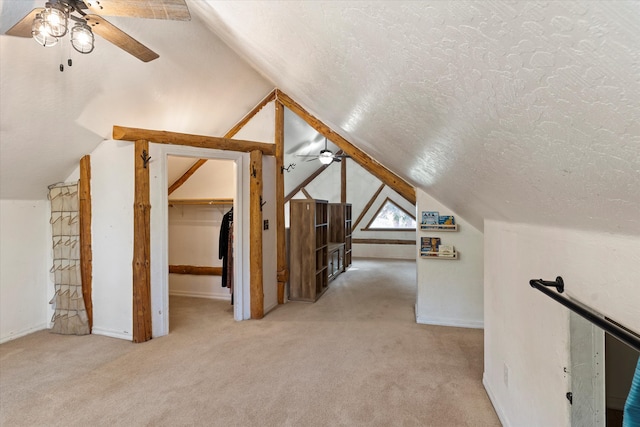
(81, 18)
(325, 156)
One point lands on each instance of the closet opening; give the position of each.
(221, 180)
(200, 239)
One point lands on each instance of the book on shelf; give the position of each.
(429, 244)
(446, 250)
(430, 217)
(446, 220)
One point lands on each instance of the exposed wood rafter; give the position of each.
(305, 182)
(367, 207)
(234, 130)
(255, 235)
(372, 166)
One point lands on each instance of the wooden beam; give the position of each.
(86, 253)
(398, 184)
(384, 241)
(282, 274)
(367, 207)
(196, 270)
(229, 134)
(343, 181)
(306, 193)
(175, 138)
(141, 247)
(255, 235)
(178, 183)
(306, 182)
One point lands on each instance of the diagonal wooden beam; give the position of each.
(367, 207)
(306, 182)
(234, 130)
(372, 166)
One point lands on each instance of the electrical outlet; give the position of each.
(506, 375)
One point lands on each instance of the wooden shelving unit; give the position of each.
(340, 228)
(309, 240)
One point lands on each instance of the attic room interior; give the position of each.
(207, 181)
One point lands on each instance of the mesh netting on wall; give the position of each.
(70, 315)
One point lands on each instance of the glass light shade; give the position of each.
(55, 18)
(325, 157)
(40, 32)
(82, 38)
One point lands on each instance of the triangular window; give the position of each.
(390, 216)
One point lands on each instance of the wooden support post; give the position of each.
(280, 234)
(141, 246)
(255, 235)
(86, 253)
(343, 181)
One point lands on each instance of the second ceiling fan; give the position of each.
(325, 156)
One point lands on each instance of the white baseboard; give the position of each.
(496, 406)
(23, 332)
(111, 333)
(208, 295)
(457, 323)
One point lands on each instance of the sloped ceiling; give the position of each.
(518, 111)
(509, 110)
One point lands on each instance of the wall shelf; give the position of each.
(438, 255)
(439, 227)
(173, 202)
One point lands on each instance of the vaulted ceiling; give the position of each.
(508, 110)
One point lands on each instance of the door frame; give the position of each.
(159, 197)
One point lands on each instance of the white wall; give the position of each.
(450, 292)
(25, 284)
(194, 233)
(112, 192)
(527, 333)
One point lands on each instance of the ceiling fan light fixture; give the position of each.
(55, 17)
(325, 157)
(40, 32)
(82, 38)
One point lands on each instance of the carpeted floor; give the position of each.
(356, 357)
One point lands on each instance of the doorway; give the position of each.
(160, 229)
(200, 233)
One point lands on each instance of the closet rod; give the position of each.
(201, 202)
(613, 328)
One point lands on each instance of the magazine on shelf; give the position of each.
(446, 250)
(429, 244)
(446, 220)
(430, 217)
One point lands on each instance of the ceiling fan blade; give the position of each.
(176, 10)
(23, 27)
(113, 34)
(337, 159)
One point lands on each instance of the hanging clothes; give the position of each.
(225, 251)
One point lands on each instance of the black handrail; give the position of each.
(609, 326)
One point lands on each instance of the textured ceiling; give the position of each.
(513, 110)
(509, 110)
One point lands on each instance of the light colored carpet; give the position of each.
(356, 357)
